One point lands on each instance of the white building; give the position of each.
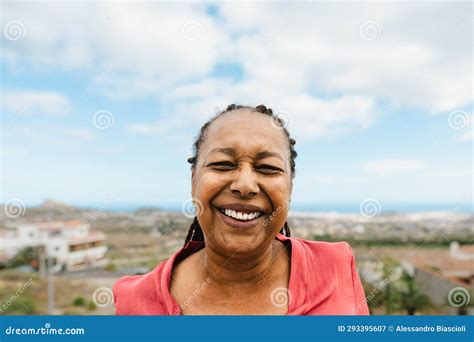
(70, 243)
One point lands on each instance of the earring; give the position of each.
(194, 228)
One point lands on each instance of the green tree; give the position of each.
(412, 300)
(390, 295)
(26, 256)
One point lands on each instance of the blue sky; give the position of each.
(377, 96)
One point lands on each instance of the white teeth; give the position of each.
(239, 215)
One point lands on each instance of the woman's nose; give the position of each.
(245, 183)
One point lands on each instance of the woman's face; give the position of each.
(243, 161)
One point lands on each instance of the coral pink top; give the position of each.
(323, 281)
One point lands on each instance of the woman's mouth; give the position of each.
(241, 216)
(240, 219)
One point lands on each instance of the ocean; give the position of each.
(337, 207)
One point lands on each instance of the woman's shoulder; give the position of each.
(149, 294)
(322, 251)
(326, 259)
(339, 251)
(138, 294)
(330, 283)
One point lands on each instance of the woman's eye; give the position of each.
(222, 165)
(268, 168)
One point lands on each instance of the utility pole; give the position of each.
(50, 282)
(41, 261)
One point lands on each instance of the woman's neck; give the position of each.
(233, 273)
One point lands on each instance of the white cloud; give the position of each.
(337, 180)
(452, 172)
(294, 57)
(466, 136)
(81, 133)
(465, 123)
(392, 167)
(134, 49)
(23, 102)
(307, 116)
(157, 127)
(309, 49)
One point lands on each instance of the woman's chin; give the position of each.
(235, 244)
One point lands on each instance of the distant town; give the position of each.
(56, 258)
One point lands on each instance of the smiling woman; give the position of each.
(238, 256)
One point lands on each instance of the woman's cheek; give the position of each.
(279, 196)
(209, 187)
(279, 219)
(278, 190)
(205, 184)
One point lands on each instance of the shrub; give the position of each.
(79, 301)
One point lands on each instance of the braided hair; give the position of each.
(195, 232)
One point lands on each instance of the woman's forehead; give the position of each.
(243, 130)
